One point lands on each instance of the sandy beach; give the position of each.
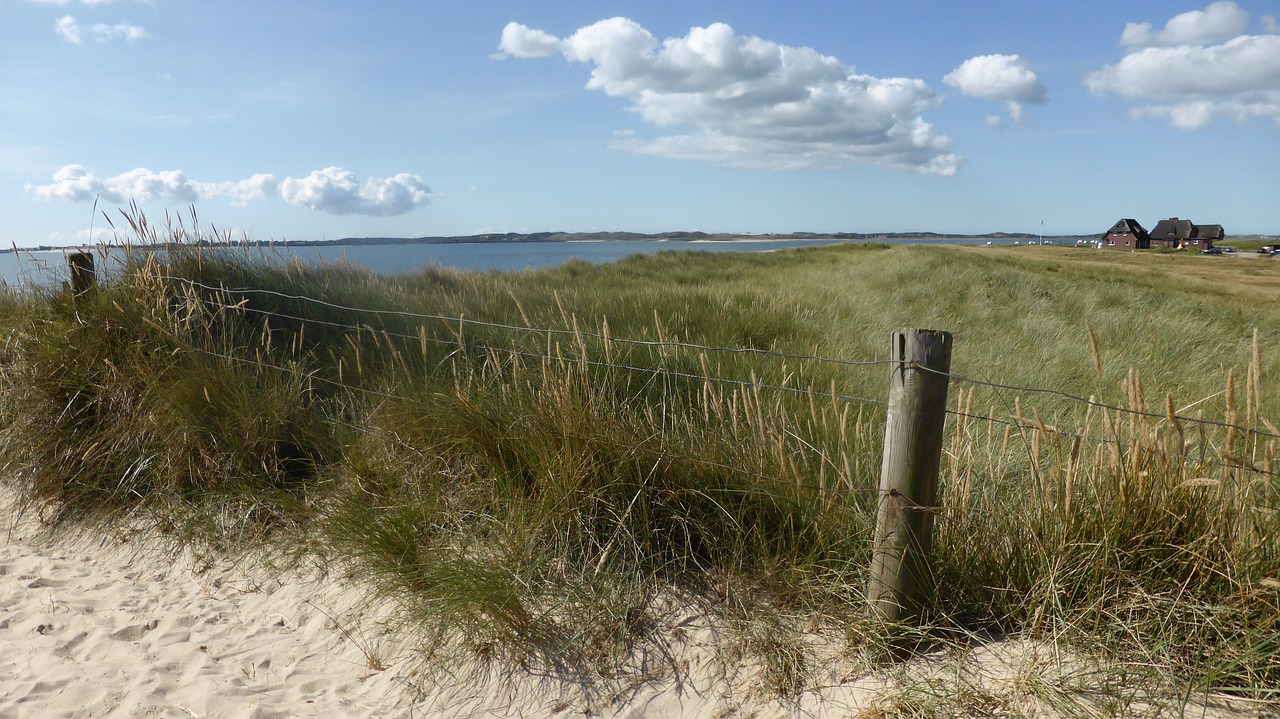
(95, 627)
(98, 626)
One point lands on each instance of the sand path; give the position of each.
(99, 627)
(92, 627)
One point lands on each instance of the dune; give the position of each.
(97, 627)
(107, 626)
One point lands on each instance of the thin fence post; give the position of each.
(901, 581)
(80, 269)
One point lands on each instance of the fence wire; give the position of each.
(388, 396)
(1093, 402)
(672, 344)
(1012, 423)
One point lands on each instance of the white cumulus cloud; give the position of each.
(748, 102)
(338, 191)
(69, 183)
(74, 183)
(522, 41)
(1218, 22)
(1190, 75)
(243, 192)
(332, 190)
(73, 32)
(1004, 78)
(144, 185)
(1203, 114)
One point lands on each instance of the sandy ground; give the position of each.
(91, 627)
(97, 627)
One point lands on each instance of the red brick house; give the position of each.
(1206, 235)
(1173, 233)
(1126, 234)
(1184, 234)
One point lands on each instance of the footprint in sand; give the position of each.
(42, 583)
(135, 632)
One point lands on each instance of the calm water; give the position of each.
(45, 267)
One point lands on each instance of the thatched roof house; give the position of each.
(1179, 233)
(1126, 234)
(1209, 233)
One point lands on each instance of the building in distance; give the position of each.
(1171, 233)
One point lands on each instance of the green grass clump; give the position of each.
(539, 465)
(125, 395)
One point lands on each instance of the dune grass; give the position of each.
(544, 498)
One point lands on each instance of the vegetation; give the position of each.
(538, 466)
(1248, 244)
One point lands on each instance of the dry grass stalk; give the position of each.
(1093, 347)
(1175, 424)
(1069, 479)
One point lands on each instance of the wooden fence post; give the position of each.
(901, 581)
(80, 268)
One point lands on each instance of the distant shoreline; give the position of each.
(519, 237)
(583, 237)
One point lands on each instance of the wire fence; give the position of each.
(599, 350)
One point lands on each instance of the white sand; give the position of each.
(99, 629)
(95, 627)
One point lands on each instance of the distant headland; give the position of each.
(514, 237)
(654, 237)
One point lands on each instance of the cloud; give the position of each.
(144, 185)
(332, 190)
(337, 191)
(1191, 86)
(1203, 114)
(240, 194)
(75, 184)
(70, 183)
(1245, 64)
(744, 101)
(1004, 78)
(86, 236)
(69, 29)
(1218, 22)
(522, 41)
(75, 33)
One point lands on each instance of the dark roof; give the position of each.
(1172, 229)
(1128, 225)
(1208, 232)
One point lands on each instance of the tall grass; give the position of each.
(549, 494)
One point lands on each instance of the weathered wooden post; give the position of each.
(80, 268)
(901, 581)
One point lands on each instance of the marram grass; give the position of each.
(542, 496)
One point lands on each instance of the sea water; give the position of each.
(49, 267)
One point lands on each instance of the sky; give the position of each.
(286, 120)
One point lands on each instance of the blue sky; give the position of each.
(323, 119)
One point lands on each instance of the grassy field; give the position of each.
(533, 464)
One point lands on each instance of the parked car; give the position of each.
(1229, 250)
(1266, 249)
(1212, 251)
